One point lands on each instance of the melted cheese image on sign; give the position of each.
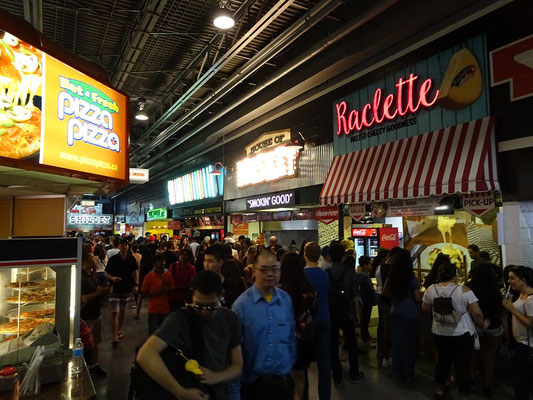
(462, 83)
(20, 83)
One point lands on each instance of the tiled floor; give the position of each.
(377, 385)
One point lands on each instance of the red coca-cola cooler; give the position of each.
(368, 240)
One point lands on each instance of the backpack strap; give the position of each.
(454, 289)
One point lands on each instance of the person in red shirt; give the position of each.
(157, 285)
(183, 273)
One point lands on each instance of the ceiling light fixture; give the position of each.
(223, 18)
(141, 115)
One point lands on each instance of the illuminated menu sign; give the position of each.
(197, 185)
(156, 213)
(276, 200)
(268, 166)
(88, 217)
(65, 117)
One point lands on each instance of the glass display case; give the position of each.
(39, 296)
(27, 301)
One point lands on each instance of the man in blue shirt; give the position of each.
(269, 341)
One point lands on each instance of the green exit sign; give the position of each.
(156, 213)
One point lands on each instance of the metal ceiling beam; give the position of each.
(302, 25)
(33, 13)
(137, 40)
(395, 52)
(342, 32)
(259, 27)
(169, 91)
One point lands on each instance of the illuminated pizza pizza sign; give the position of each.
(407, 99)
(59, 115)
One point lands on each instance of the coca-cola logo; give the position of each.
(389, 238)
(364, 232)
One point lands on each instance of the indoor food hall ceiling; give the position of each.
(146, 45)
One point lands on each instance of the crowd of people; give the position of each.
(232, 320)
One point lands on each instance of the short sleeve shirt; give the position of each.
(460, 302)
(151, 283)
(221, 334)
(122, 268)
(520, 332)
(320, 281)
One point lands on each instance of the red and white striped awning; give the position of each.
(458, 159)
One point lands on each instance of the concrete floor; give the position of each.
(377, 385)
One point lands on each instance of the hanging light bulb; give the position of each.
(141, 115)
(223, 19)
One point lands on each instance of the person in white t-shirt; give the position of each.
(114, 251)
(454, 340)
(195, 243)
(521, 280)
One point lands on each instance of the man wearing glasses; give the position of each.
(203, 331)
(269, 341)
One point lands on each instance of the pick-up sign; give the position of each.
(479, 204)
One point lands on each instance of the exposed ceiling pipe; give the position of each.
(397, 51)
(169, 90)
(259, 27)
(345, 30)
(303, 24)
(138, 39)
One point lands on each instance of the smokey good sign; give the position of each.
(276, 200)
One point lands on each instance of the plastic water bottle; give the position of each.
(78, 363)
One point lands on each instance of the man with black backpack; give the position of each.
(196, 352)
(344, 309)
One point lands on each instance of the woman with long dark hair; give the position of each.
(101, 262)
(305, 304)
(404, 289)
(521, 280)
(250, 257)
(453, 306)
(433, 276)
(485, 286)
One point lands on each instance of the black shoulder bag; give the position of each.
(145, 388)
